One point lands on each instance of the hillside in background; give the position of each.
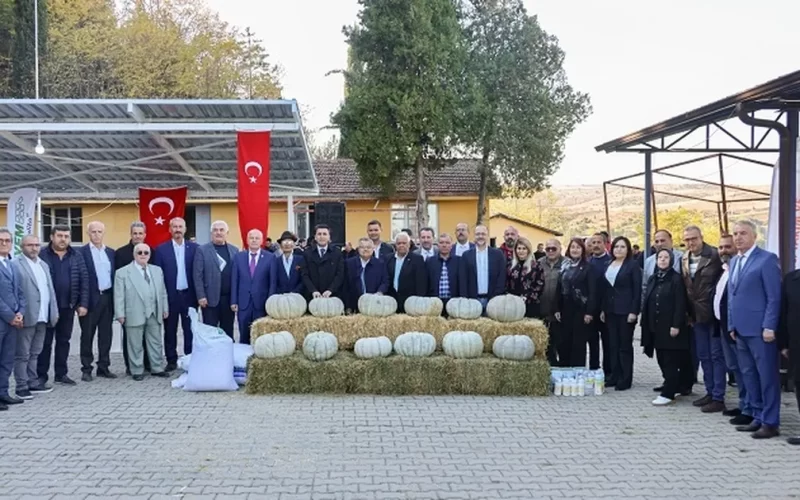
(578, 210)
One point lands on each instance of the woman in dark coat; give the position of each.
(577, 304)
(525, 277)
(665, 328)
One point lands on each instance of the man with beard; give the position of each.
(462, 243)
(510, 237)
(122, 257)
(743, 415)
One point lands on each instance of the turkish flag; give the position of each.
(156, 208)
(253, 182)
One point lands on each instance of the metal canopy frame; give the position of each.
(780, 96)
(105, 149)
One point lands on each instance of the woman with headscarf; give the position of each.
(664, 328)
(525, 278)
(577, 292)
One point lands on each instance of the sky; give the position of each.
(640, 65)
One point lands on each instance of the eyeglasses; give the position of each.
(142, 252)
(550, 249)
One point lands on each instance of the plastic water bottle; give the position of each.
(590, 380)
(557, 387)
(581, 386)
(599, 383)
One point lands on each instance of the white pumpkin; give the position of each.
(423, 306)
(415, 344)
(377, 347)
(275, 345)
(460, 308)
(506, 308)
(514, 347)
(375, 305)
(319, 346)
(462, 345)
(326, 307)
(286, 306)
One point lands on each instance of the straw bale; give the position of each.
(398, 375)
(348, 329)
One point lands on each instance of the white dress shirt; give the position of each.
(460, 249)
(426, 254)
(741, 261)
(287, 264)
(102, 267)
(44, 290)
(182, 283)
(398, 266)
(721, 284)
(482, 267)
(320, 250)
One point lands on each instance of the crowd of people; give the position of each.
(725, 308)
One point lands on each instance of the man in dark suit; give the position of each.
(251, 281)
(12, 306)
(366, 274)
(789, 334)
(442, 271)
(122, 257)
(406, 271)
(71, 282)
(285, 274)
(427, 248)
(100, 268)
(212, 269)
(323, 266)
(462, 243)
(482, 270)
(754, 302)
(176, 260)
(382, 250)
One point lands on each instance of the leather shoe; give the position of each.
(138, 378)
(753, 427)
(658, 389)
(105, 374)
(160, 374)
(766, 432)
(794, 440)
(713, 407)
(702, 401)
(87, 377)
(171, 367)
(3, 407)
(741, 419)
(10, 400)
(64, 380)
(735, 412)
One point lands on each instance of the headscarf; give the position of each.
(661, 274)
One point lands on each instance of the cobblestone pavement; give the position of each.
(123, 439)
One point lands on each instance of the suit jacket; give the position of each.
(78, 275)
(433, 268)
(30, 289)
(129, 298)
(165, 259)
(455, 243)
(700, 289)
(413, 279)
(435, 249)
(206, 274)
(789, 332)
(323, 274)
(94, 289)
(375, 279)
(124, 255)
(625, 297)
(382, 253)
(468, 274)
(12, 300)
(280, 282)
(246, 291)
(754, 294)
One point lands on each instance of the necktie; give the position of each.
(363, 281)
(738, 269)
(321, 253)
(146, 276)
(252, 264)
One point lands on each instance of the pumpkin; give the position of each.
(463, 345)
(286, 306)
(377, 347)
(274, 345)
(506, 308)
(326, 307)
(514, 347)
(319, 346)
(415, 344)
(371, 304)
(423, 306)
(460, 308)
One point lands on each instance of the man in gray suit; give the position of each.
(140, 304)
(213, 264)
(12, 304)
(41, 312)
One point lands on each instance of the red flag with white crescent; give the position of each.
(157, 207)
(253, 182)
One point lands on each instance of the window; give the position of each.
(190, 216)
(404, 215)
(70, 216)
(300, 228)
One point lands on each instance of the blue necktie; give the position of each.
(363, 281)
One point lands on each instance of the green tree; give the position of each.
(7, 21)
(676, 220)
(402, 103)
(519, 106)
(24, 52)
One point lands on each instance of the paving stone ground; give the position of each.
(124, 439)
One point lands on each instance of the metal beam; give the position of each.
(278, 128)
(29, 148)
(698, 150)
(712, 183)
(656, 191)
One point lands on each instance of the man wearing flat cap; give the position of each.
(285, 276)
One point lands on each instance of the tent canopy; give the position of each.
(108, 148)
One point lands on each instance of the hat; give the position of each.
(287, 235)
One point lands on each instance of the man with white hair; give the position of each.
(213, 266)
(251, 280)
(122, 257)
(406, 270)
(140, 304)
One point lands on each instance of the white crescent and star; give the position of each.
(257, 166)
(161, 199)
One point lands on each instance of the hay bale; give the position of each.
(398, 375)
(348, 329)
